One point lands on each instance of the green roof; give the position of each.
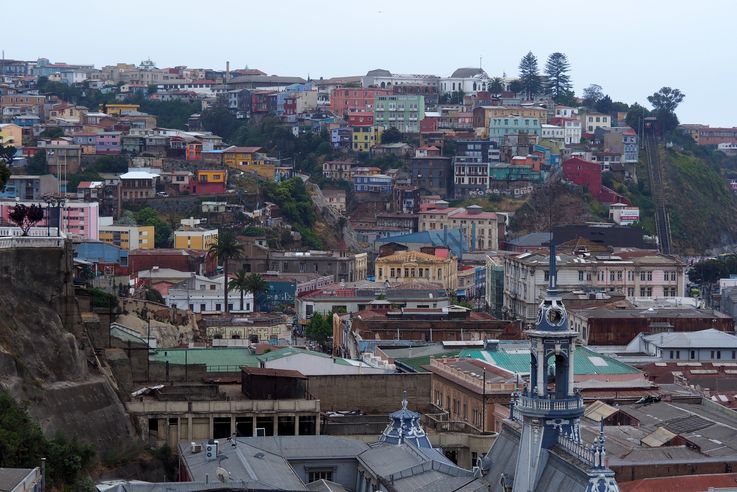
(230, 359)
(417, 363)
(517, 359)
(216, 359)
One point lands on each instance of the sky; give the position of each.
(631, 48)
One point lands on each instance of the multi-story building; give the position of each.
(649, 276)
(25, 187)
(471, 166)
(503, 128)
(128, 237)
(364, 134)
(208, 181)
(565, 112)
(207, 295)
(78, 219)
(385, 79)
(432, 173)
(108, 143)
(337, 170)
(480, 229)
(348, 100)
(403, 112)
(372, 183)
(405, 266)
(343, 266)
(553, 132)
(591, 121)
(705, 135)
(138, 185)
(483, 115)
(465, 80)
(107, 193)
(194, 237)
(11, 134)
(63, 160)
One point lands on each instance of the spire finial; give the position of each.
(553, 275)
(404, 400)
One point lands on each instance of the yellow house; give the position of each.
(249, 159)
(195, 238)
(417, 266)
(365, 137)
(118, 109)
(128, 237)
(11, 134)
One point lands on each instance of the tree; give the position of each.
(392, 135)
(591, 95)
(559, 81)
(52, 132)
(220, 121)
(37, 165)
(635, 115)
(516, 86)
(666, 99)
(162, 230)
(529, 76)
(226, 248)
(26, 217)
(496, 85)
(604, 105)
(320, 328)
(7, 153)
(256, 285)
(664, 103)
(240, 284)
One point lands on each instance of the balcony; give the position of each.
(543, 405)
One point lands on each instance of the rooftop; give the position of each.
(411, 256)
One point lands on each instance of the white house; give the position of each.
(206, 295)
(553, 132)
(704, 345)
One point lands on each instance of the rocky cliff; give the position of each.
(43, 358)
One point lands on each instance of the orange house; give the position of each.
(193, 152)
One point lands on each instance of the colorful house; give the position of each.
(128, 237)
(208, 181)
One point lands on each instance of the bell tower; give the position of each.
(549, 407)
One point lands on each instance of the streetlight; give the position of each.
(148, 318)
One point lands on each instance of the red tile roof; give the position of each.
(686, 483)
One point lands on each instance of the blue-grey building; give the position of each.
(373, 183)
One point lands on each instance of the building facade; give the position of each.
(404, 266)
(128, 237)
(480, 229)
(403, 112)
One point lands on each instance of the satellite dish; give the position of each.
(222, 474)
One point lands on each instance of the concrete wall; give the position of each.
(371, 393)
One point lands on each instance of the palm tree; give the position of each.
(240, 283)
(227, 248)
(256, 284)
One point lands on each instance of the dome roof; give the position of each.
(468, 72)
(404, 427)
(379, 72)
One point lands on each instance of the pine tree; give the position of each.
(529, 76)
(559, 82)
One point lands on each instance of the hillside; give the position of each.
(703, 211)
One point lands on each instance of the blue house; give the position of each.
(97, 252)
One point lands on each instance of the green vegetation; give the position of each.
(101, 299)
(147, 216)
(320, 328)
(227, 248)
(22, 445)
(37, 165)
(169, 114)
(703, 211)
(52, 132)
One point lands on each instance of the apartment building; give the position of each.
(636, 275)
(480, 229)
(403, 112)
(128, 237)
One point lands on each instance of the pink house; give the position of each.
(79, 219)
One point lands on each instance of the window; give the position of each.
(650, 275)
(642, 276)
(202, 307)
(630, 292)
(619, 275)
(649, 291)
(693, 354)
(217, 307)
(611, 276)
(315, 475)
(547, 276)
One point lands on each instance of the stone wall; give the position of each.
(371, 393)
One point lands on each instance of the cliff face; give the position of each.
(43, 360)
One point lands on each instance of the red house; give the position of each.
(588, 175)
(208, 182)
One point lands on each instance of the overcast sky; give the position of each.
(629, 47)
